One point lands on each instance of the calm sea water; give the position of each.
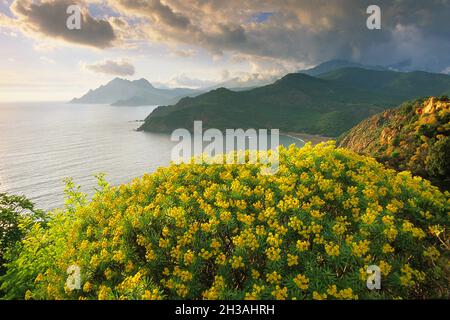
(43, 143)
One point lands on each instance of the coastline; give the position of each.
(305, 137)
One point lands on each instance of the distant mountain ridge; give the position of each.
(240, 84)
(328, 105)
(400, 85)
(333, 65)
(122, 92)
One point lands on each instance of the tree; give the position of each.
(438, 161)
(17, 215)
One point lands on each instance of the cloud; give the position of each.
(183, 53)
(261, 17)
(301, 31)
(48, 19)
(276, 34)
(161, 13)
(118, 68)
(47, 60)
(183, 80)
(225, 74)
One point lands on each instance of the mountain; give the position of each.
(414, 137)
(400, 85)
(333, 65)
(297, 102)
(242, 84)
(122, 92)
(329, 105)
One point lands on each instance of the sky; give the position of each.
(199, 43)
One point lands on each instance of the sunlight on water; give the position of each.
(43, 143)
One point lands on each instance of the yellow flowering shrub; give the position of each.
(209, 231)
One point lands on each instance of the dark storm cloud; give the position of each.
(48, 18)
(304, 30)
(154, 8)
(296, 31)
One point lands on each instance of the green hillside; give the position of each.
(328, 106)
(400, 85)
(332, 65)
(414, 137)
(297, 102)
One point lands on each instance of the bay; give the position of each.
(43, 143)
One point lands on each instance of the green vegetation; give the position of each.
(400, 86)
(414, 137)
(332, 65)
(17, 216)
(327, 105)
(213, 231)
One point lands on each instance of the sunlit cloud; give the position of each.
(111, 67)
(183, 53)
(192, 42)
(302, 31)
(183, 80)
(47, 60)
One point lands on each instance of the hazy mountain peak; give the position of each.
(142, 83)
(244, 83)
(298, 80)
(118, 80)
(125, 92)
(296, 77)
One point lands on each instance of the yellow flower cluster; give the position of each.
(332, 249)
(280, 293)
(246, 239)
(237, 262)
(416, 232)
(301, 281)
(273, 277)
(216, 231)
(385, 267)
(255, 294)
(214, 292)
(292, 260)
(302, 245)
(387, 248)
(410, 276)
(344, 294)
(273, 254)
(360, 248)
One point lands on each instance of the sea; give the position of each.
(42, 143)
